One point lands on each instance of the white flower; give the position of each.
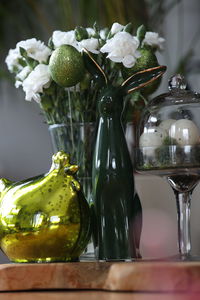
(18, 83)
(64, 38)
(122, 48)
(21, 76)
(90, 44)
(12, 60)
(36, 81)
(90, 31)
(116, 27)
(153, 39)
(103, 33)
(35, 49)
(129, 61)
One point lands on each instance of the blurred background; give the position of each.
(25, 145)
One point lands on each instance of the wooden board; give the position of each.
(129, 276)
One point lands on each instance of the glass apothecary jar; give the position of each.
(168, 145)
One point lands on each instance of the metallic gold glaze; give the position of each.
(45, 218)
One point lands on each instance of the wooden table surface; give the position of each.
(143, 277)
(95, 295)
(101, 281)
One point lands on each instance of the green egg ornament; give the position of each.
(147, 60)
(66, 66)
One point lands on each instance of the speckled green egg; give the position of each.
(66, 66)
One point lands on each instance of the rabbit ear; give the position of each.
(142, 78)
(93, 68)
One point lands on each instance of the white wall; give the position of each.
(25, 145)
(159, 234)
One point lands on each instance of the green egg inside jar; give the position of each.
(45, 218)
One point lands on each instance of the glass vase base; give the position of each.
(116, 260)
(88, 255)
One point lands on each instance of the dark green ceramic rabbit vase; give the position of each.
(117, 208)
(113, 183)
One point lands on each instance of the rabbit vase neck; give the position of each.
(110, 102)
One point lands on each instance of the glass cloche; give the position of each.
(168, 145)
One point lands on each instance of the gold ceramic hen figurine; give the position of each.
(45, 218)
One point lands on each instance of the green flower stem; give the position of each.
(144, 99)
(71, 124)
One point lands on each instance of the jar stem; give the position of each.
(183, 202)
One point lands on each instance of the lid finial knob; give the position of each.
(177, 82)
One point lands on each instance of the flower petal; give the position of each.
(36, 81)
(129, 61)
(116, 27)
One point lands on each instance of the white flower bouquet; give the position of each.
(117, 51)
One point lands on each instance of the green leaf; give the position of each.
(110, 35)
(51, 44)
(96, 27)
(23, 52)
(97, 31)
(128, 28)
(81, 33)
(32, 63)
(141, 31)
(22, 62)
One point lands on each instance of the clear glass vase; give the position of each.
(77, 139)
